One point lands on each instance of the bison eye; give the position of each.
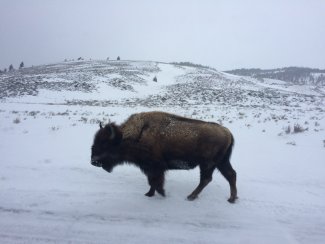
(104, 145)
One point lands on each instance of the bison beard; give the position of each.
(157, 142)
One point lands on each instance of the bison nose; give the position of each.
(95, 160)
(96, 163)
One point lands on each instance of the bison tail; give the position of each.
(227, 155)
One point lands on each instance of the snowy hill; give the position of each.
(50, 193)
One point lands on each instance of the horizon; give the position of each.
(224, 35)
(156, 61)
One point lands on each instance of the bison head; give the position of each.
(105, 149)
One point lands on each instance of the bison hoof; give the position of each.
(191, 197)
(149, 194)
(161, 192)
(232, 199)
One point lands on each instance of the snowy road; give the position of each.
(49, 193)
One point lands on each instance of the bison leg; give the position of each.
(230, 174)
(205, 179)
(156, 182)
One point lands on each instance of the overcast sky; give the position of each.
(223, 34)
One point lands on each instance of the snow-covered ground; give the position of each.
(50, 193)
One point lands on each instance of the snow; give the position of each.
(50, 193)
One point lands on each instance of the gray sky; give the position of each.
(223, 34)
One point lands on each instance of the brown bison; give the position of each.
(157, 142)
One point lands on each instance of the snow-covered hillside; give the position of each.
(50, 193)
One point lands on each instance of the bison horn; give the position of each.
(100, 125)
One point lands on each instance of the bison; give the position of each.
(158, 141)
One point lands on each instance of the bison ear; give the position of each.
(115, 133)
(110, 129)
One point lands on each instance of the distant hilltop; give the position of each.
(296, 75)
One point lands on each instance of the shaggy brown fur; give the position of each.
(157, 141)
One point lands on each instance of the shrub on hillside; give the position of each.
(297, 128)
